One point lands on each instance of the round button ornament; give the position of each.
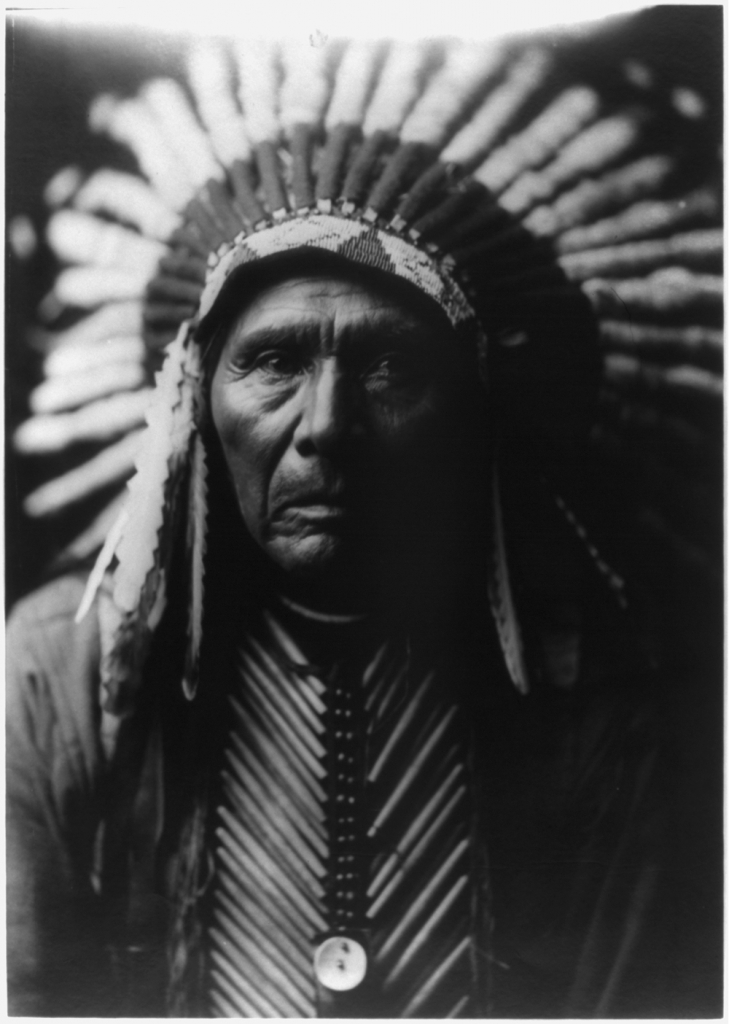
(340, 963)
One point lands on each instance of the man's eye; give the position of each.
(278, 364)
(392, 368)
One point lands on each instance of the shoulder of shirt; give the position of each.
(58, 599)
(42, 631)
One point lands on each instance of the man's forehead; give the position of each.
(334, 300)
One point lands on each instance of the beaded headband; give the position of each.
(351, 240)
(541, 212)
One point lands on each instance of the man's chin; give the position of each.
(318, 554)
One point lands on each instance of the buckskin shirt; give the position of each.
(487, 857)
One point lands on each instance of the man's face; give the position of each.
(337, 404)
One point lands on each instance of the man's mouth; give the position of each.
(317, 506)
(317, 511)
(313, 499)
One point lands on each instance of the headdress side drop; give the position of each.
(511, 199)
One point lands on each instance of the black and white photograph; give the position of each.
(364, 516)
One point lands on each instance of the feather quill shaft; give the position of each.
(196, 542)
(102, 564)
(502, 599)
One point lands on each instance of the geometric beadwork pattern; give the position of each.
(358, 242)
(346, 811)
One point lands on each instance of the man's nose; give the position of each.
(326, 417)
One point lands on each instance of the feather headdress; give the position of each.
(551, 223)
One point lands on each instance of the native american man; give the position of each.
(373, 739)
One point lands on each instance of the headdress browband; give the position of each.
(352, 240)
